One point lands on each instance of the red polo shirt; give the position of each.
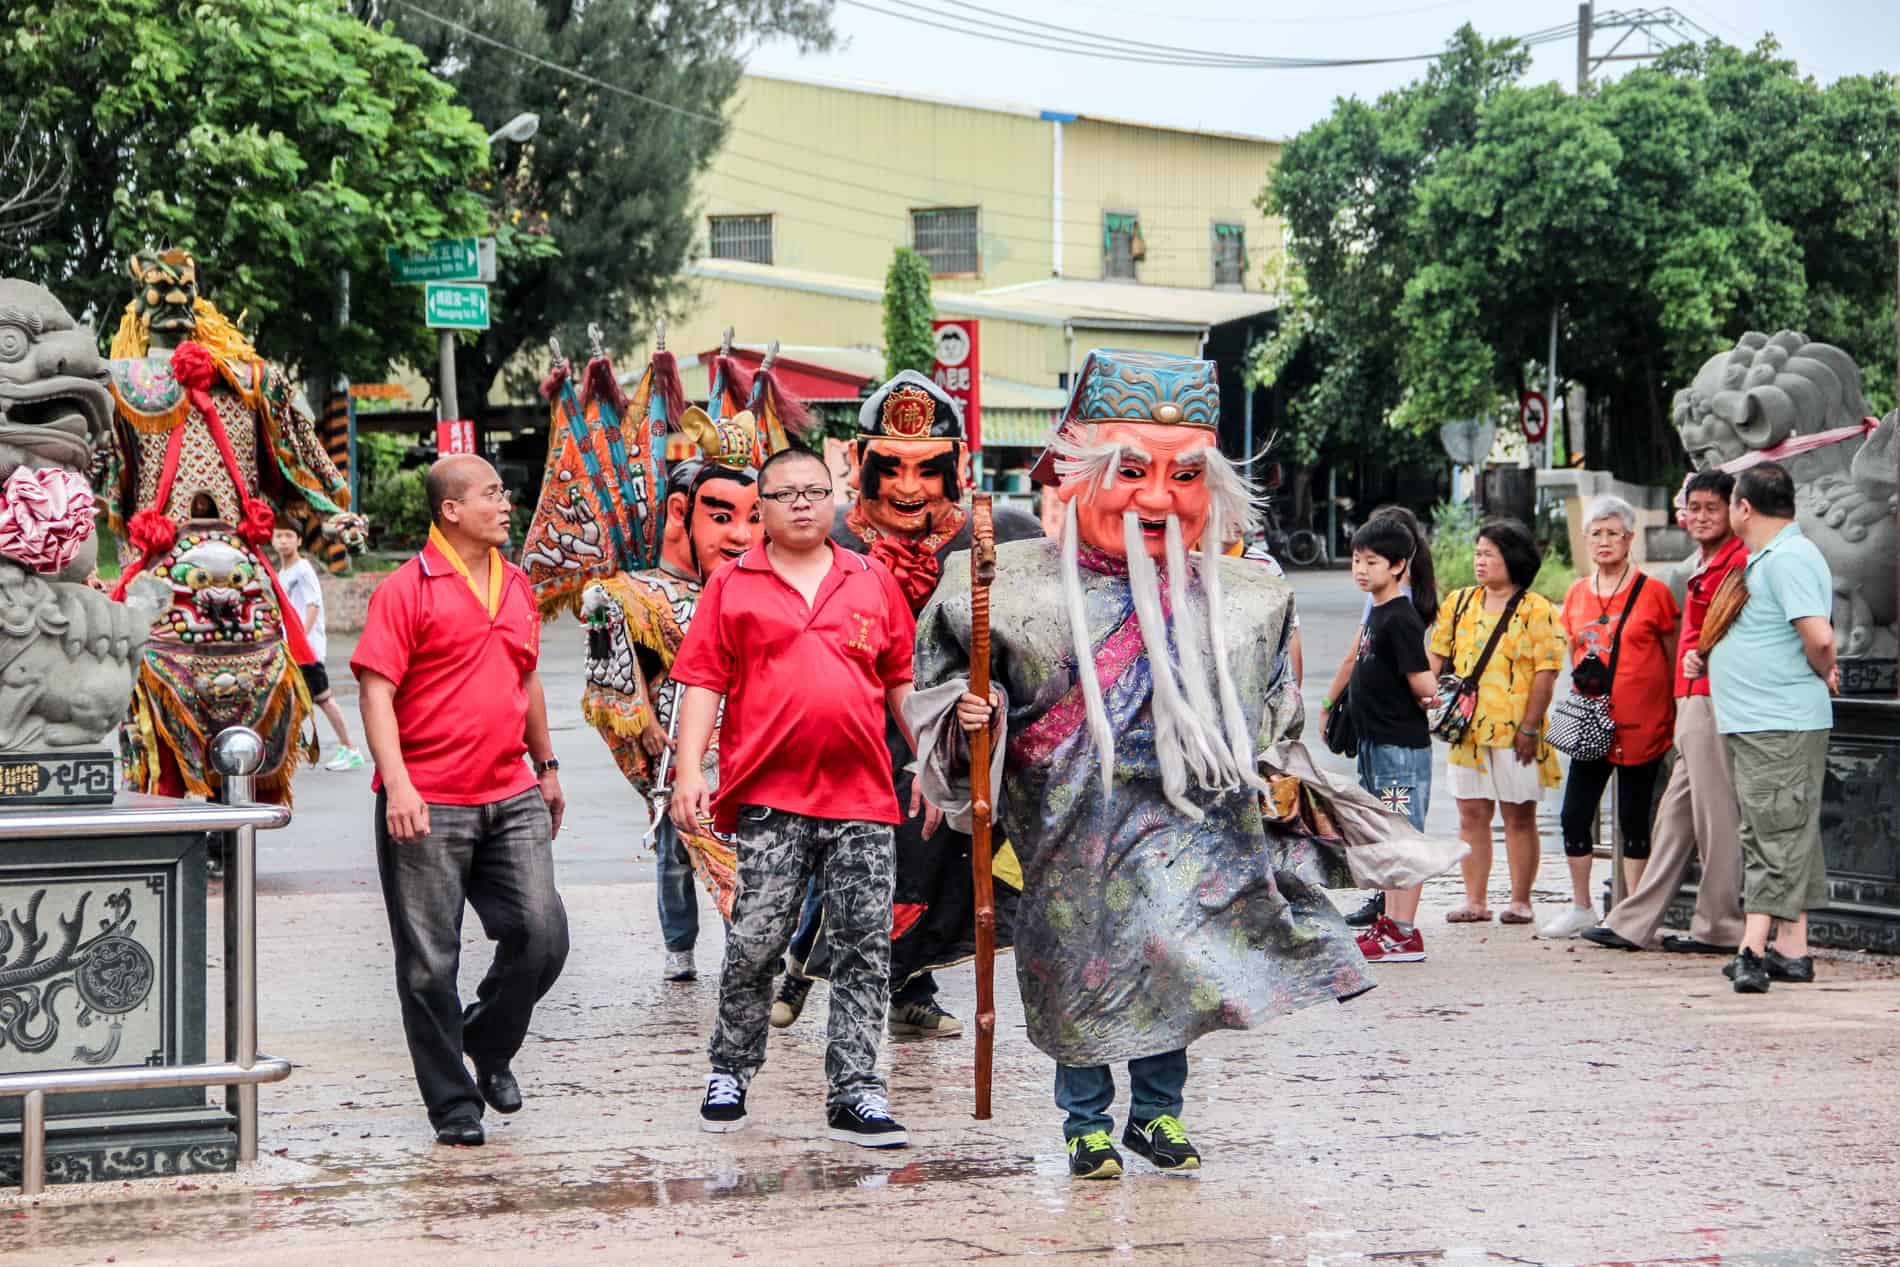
(805, 687)
(461, 695)
(1695, 606)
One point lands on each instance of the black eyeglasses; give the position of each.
(788, 496)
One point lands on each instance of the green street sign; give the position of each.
(450, 260)
(448, 306)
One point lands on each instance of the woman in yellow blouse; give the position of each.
(1503, 760)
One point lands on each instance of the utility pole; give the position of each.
(1586, 13)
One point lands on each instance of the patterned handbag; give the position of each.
(1458, 695)
(1583, 725)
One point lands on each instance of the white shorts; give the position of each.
(1503, 780)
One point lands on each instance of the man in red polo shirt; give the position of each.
(451, 705)
(810, 645)
(1699, 816)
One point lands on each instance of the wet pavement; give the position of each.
(1508, 1100)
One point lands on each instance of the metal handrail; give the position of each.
(237, 753)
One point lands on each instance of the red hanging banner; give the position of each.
(454, 435)
(958, 372)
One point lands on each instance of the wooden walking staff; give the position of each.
(982, 572)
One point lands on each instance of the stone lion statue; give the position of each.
(1800, 403)
(68, 653)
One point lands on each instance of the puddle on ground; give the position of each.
(463, 1189)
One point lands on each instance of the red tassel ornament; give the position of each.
(151, 532)
(259, 520)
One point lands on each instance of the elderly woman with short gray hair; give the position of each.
(1616, 598)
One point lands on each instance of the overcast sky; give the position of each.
(1828, 38)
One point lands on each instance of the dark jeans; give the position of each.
(677, 890)
(1155, 1084)
(921, 988)
(1635, 804)
(499, 859)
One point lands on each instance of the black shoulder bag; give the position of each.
(1458, 696)
(1340, 734)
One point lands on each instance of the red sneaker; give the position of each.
(1384, 943)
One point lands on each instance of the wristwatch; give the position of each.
(542, 767)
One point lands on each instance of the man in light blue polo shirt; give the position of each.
(1771, 675)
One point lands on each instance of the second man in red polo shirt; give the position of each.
(810, 646)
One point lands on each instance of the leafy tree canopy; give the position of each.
(281, 141)
(608, 177)
(910, 342)
(1434, 231)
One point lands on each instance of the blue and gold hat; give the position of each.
(1154, 388)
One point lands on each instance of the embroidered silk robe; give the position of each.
(1138, 929)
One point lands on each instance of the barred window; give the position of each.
(741, 238)
(1122, 244)
(947, 238)
(1230, 254)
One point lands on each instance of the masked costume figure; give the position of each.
(637, 618)
(910, 463)
(206, 438)
(1143, 692)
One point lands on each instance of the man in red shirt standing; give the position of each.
(451, 705)
(810, 645)
(1699, 816)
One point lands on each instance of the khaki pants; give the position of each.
(1698, 819)
(1778, 775)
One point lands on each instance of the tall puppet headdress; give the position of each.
(603, 491)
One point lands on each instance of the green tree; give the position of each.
(909, 341)
(1823, 162)
(1621, 208)
(281, 141)
(1661, 216)
(1347, 190)
(608, 176)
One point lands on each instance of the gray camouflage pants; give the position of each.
(856, 863)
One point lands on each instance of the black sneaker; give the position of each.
(1164, 1142)
(868, 1124)
(723, 1109)
(1604, 935)
(1748, 972)
(792, 993)
(1093, 1156)
(923, 1020)
(1367, 915)
(1782, 968)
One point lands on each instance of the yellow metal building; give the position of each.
(1060, 232)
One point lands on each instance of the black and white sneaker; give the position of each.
(1164, 1142)
(723, 1109)
(868, 1124)
(1368, 915)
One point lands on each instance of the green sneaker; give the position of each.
(1164, 1142)
(1093, 1156)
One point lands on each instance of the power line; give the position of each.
(856, 160)
(1109, 45)
(747, 178)
(1085, 44)
(1252, 20)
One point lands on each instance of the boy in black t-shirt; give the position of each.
(1392, 685)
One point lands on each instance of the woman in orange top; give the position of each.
(1642, 701)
